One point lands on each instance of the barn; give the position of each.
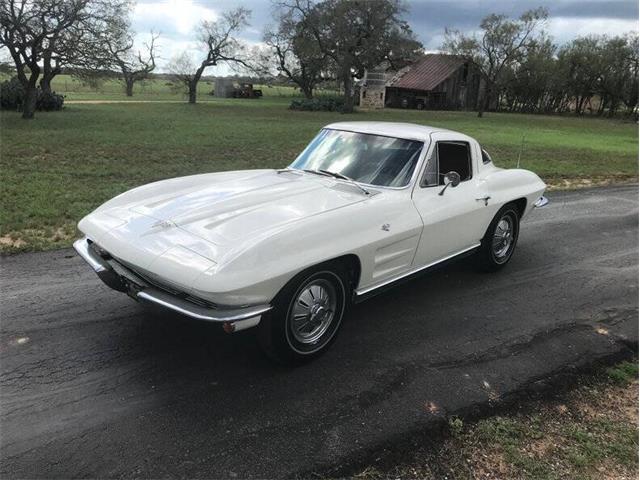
(436, 82)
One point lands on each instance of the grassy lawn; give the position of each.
(149, 90)
(589, 433)
(58, 167)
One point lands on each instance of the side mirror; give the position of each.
(450, 179)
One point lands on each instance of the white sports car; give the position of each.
(366, 204)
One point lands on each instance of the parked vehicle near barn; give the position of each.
(225, 88)
(365, 205)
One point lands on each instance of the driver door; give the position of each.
(454, 221)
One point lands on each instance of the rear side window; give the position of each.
(454, 157)
(486, 158)
(447, 157)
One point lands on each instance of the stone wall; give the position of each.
(372, 97)
(373, 89)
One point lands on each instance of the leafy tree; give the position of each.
(503, 41)
(630, 87)
(584, 65)
(296, 52)
(534, 83)
(357, 35)
(619, 60)
(43, 36)
(82, 45)
(602, 68)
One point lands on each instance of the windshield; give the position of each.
(365, 158)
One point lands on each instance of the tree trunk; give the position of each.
(129, 86)
(193, 85)
(49, 71)
(30, 99)
(347, 82)
(45, 83)
(482, 95)
(307, 92)
(579, 103)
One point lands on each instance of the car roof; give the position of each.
(410, 131)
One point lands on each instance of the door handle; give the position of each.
(484, 199)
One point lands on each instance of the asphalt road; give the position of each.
(95, 385)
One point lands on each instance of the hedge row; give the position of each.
(318, 104)
(12, 97)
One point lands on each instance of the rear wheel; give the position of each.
(500, 240)
(306, 315)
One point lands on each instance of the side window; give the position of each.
(431, 172)
(486, 158)
(454, 157)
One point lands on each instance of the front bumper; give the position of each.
(232, 318)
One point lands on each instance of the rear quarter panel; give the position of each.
(507, 185)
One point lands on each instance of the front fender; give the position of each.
(258, 268)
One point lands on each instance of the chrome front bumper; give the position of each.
(233, 319)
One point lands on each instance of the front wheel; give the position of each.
(306, 315)
(499, 242)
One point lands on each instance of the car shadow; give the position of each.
(205, 346)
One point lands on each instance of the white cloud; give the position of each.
(176, 21)
(564, 29)
(561, 29)
(179, 16)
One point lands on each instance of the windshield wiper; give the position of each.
(348, 179)
(318, 172)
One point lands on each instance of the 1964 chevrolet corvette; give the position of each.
(365, 205)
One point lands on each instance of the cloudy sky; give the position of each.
(176, 19)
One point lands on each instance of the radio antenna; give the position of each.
(520, 153)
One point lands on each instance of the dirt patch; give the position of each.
(10, 242)
(577, 183)
(37, 238)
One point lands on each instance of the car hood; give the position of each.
(226, 208)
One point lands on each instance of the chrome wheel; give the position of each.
(313, 311)
(503, 238)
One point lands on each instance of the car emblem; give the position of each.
(163, 224)
(386, 227)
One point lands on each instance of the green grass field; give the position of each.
(156, 89)
(58, 167)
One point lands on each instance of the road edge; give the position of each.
(396, 448)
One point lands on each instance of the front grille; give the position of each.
(133, 274)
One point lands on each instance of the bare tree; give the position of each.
(503, 40)
(133, 67)
(183, 68)
(42, 36)
(218, 40)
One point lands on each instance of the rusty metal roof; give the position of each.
(429, 72)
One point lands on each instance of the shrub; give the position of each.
(11, 94)
(318, 104)
(49, 101)
(12, 97)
